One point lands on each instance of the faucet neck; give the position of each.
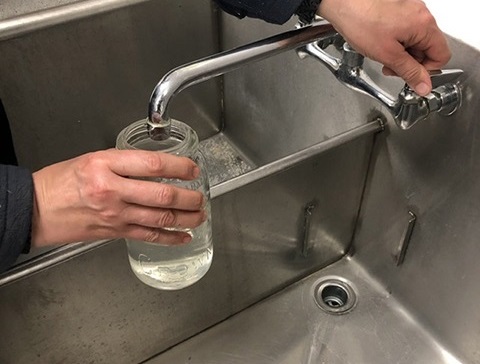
(204, 69)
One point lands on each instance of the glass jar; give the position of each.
(160, 265)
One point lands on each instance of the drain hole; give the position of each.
(335, 296)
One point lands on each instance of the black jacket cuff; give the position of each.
(272, 11)
(16, 208)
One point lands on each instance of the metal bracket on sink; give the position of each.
(401, 251)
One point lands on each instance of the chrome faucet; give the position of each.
(409, 107)
(309, 40)
(180, 78)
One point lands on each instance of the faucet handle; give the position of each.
(439, 78)
(442, 77)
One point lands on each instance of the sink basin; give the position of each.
(313, 186)
(289, 327)
(260, 248)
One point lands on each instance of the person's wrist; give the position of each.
(37, 234)
(307, 10)
(327, 9)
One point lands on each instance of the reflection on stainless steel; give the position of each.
(433, 170)
(47, 260)
(408, 108)
(305, 230)
(284, 163)
(229, 183)
(49, 77)
(97, 310)
(289, 328)
(190, 74)
(26, 23)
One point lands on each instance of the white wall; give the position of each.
(457, 18)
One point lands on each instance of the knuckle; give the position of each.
(412, 74)
(168, 219)
(447, 55)
(166, 195)
(426, 18)
(93, 178)
(97, 191)
(405, 69)
(154, 162)
(109, 217)
(93, 161)
(114, 217)
(152, 236)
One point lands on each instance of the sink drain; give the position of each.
(335, 295)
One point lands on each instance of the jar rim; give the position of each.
(184, 136)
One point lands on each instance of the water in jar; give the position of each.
(173, 267)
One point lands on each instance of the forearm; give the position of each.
(16, 204)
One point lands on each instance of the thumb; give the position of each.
(414, 74)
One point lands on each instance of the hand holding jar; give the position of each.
(93, 197)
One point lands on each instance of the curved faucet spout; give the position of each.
(204, 69)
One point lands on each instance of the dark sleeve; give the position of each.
(272, 11)
(16, 207)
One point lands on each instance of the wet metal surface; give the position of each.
(290, 328)
(223, 161)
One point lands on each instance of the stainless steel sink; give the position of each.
(311, 182)
(96, 305)
(289, 327)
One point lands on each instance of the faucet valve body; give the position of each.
(444, 99)
(451, 98)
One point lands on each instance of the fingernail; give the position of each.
(187, 239)
(195, 172)
(422, 89)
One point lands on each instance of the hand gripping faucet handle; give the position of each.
(445, 99)
(409, 107)
(446, 94)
